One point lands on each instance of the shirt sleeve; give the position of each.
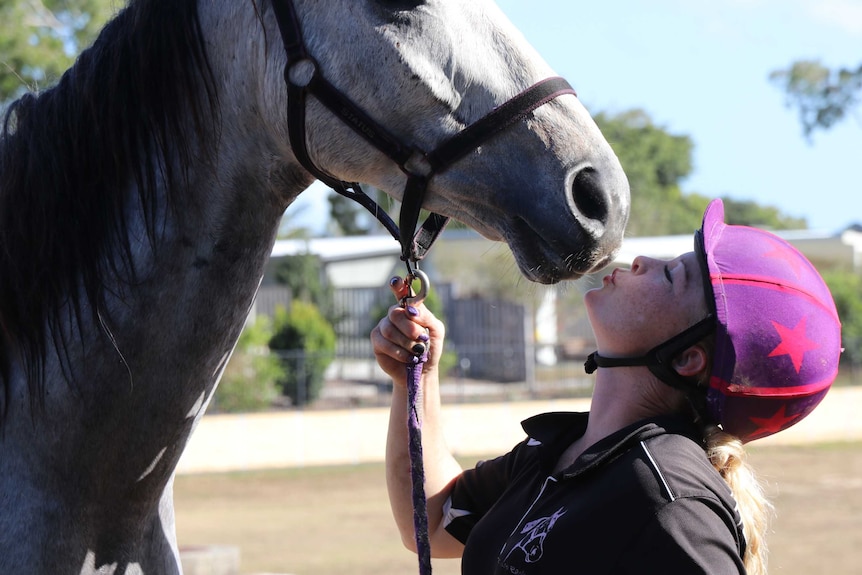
(688, 535)
(478, 489)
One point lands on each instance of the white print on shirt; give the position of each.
(534, 534)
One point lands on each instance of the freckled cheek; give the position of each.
(650, 316)
(640, 327)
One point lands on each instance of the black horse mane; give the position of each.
(117, 119)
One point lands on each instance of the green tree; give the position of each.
(303, 274)
(349, 216)
(748, 213)
(39, 40)
(305, 342)
(656, 162)
(823, 96)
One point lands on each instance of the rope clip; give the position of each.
(418, 349)
(421, 294)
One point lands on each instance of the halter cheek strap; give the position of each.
(659, 358)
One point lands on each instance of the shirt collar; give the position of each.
(555, 431)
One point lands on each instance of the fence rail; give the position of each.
(351, 382)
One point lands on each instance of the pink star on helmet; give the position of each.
(784, 253)
(769, 425)
(794, 343)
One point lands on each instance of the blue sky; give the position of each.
(700, 68)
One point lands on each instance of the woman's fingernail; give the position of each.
(412, 310)
(423, 337)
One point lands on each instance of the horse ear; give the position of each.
(691, 361)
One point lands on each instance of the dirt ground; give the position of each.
(322, 521)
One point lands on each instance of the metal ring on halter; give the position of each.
(420, 296)
(418, 349)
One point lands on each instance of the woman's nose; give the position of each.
(641, 263)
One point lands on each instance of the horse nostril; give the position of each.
(589, 197)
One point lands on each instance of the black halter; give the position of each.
(303, 77)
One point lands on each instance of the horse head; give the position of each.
(549, 185)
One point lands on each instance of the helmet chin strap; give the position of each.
(660, 358)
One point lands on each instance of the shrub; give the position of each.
(250, 380)
(846, 288)
(305, 342)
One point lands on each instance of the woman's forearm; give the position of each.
(441, 468)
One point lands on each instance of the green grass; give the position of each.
(323, 521)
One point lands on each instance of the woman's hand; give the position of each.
(395, 336)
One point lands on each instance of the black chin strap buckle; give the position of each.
(590, 366)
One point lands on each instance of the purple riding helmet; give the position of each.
(777, 333)
(778, 336)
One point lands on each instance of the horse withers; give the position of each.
(140, 198)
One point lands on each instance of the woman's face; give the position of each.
(639, 308)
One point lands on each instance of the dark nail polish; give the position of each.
(423, 337)
(412, 310)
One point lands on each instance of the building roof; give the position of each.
(339, 248)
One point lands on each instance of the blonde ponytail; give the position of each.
(728, 456)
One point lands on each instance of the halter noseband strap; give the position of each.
(303, 77)
(464, 142)
(659, 358)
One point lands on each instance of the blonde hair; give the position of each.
(727, 455)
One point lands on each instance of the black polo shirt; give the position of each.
(643, 500)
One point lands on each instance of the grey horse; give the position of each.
(139, 201)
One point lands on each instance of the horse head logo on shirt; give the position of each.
(534, 534)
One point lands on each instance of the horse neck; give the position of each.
(176, 327)
(203, 270)
(116, 434)
(144, 369)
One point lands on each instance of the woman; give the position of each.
(742, 334)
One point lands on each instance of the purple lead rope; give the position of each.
(417, 467)
(414, 429)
